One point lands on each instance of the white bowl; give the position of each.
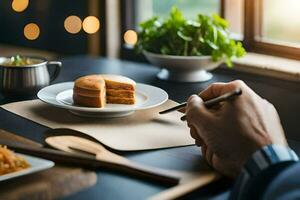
(183, 68)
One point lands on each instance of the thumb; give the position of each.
(196, 109)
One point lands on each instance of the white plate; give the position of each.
(36, 165)
(60, 95)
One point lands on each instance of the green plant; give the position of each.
(207, 35)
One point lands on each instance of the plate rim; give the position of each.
(97, 110)
(47, 164)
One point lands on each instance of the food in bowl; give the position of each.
(202, 36)
(18, 60)
(97, 90)
(10, 162)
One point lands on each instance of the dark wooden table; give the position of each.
(284, 95)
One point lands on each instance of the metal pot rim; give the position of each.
(43, 62)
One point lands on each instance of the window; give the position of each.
(272, 27)
(279, 22)
(233, 11)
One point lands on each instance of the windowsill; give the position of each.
(266, 65)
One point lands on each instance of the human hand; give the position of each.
(232, 131)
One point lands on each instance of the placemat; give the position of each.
(142, 130)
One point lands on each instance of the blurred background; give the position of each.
(108, 28)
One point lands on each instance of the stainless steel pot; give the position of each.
(26, 80)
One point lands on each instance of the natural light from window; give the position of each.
(280, 21)
(190, 8)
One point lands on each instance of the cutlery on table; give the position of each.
(208, 104)
(89, 161)
(188, 181)
(73, 144)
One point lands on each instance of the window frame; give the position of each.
(97, 42)
(252, 25)
(127, 14)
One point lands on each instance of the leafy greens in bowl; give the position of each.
(206, 35)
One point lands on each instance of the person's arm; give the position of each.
(263, 168)
(285, 186)
(230, 133)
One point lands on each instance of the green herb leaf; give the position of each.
(207, 35)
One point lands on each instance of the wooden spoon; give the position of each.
(74, 144)
(189, 181)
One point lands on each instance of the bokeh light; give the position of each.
(91, 24)
(31, 31)
(19, 5)
(73, 24)
(130, 37)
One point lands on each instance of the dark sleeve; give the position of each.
(266, 172)
(276, 182)
(286, 185)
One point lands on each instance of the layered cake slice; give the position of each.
(90, 91)
(119, 89)
(97, 90)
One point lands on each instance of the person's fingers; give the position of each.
(198, 115)
(217, 89)
(195, 135)
(209, 156)
(198, 140)
(190, 99)
(182, 110)
(195, 108)
(212, 91)
(203, 150)
(199, 143)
